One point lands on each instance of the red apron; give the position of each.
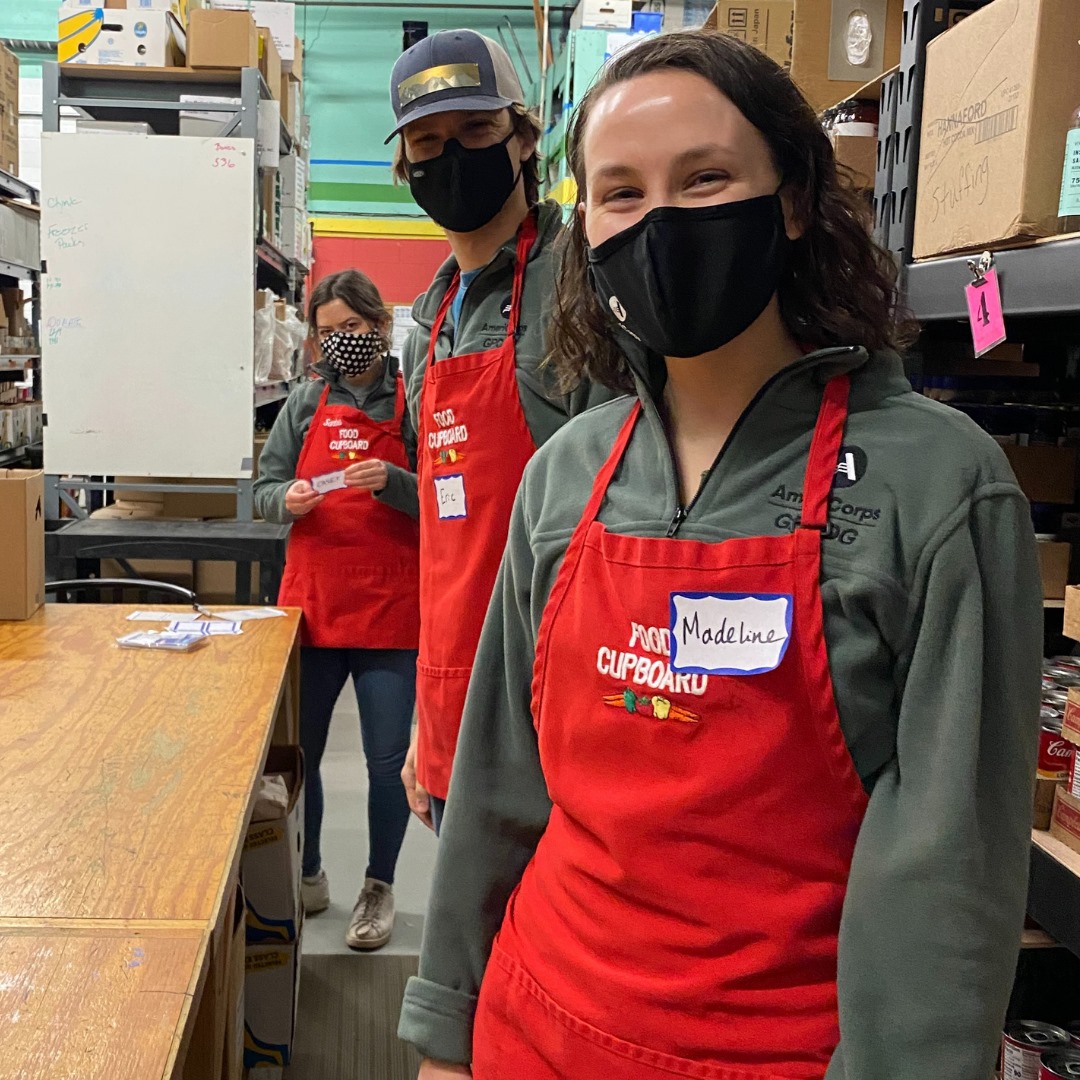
(353, 561)
(681, 913)
(474, 445)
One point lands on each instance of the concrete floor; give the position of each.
(349, 1001)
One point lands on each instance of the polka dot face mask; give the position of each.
(352, 354)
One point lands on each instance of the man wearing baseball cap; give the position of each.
(467, 148)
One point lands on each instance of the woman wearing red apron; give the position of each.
(743, 784)
(339, 464)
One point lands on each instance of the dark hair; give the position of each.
(356, 290)
(839, 287)
(526, 125)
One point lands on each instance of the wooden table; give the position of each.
(125, 793)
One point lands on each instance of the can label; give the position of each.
(1055, 754)
(1020, 1062)
(1074, 790)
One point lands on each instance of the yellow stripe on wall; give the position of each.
(377, 228)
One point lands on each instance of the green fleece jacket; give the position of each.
(277, 463)
(933, 625)
(482, 326)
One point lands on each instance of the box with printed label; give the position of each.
(839, 47)
(270, 864)
(128, 38)
(294, 180)
(269, 61)
(1065, 823)
(999, 91)
(22, 540)
(271, 990)
(180, 8)
(602, 15)
(9, 112)
(768, 24)
(278, 17)
(222, 39)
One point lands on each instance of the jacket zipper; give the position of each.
(683, 512)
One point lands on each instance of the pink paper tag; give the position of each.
(984, 313)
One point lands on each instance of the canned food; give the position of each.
(1064, 676)
(1055, 753)
(1023, 1046)
(1074, 790)
(1060, 1065)
(1066, 661)
(1073, 1026)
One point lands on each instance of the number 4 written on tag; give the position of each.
(985, 314)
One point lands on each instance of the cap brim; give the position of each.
(471, 103)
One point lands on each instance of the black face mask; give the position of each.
(686, 280)
(462, 190)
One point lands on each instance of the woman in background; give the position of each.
(340, 465)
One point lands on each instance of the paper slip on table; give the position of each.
(126, 792)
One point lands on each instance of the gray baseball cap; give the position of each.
(451, 70)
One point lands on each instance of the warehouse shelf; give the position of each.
(268, 392)
(16, 453)
(1054, 889)
(17, 270)
(11, 187)
(1043, 279)
(1056, 605)
(16, 363)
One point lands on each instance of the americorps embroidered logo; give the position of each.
(617, 309)
(850, 466)
(507, 304)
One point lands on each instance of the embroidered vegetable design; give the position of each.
(658, 706)
(449, 457)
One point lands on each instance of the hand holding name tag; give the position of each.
(301, 499)
(367, 476)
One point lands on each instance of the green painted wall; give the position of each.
(350, 52)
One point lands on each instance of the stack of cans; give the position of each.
(1060, 675)
(1026, 1044)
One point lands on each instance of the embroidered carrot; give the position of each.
(661, 708)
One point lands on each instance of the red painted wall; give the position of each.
(401, 269)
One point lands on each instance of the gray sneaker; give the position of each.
(372, 920)
(315, 893)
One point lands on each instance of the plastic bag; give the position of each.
(264, 335)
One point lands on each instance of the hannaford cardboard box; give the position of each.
(1072, 614)
(1046, 474)
(859, 154)
(829, 35)
(233, 1061)
(271, 990)
(22, 540)
(270, 864)
(128, 38)
(222, 39)
(1000, 88)
(9, 112)
(1065, 822)
(269, 61)
(207, 1050)
(768, 24)
(1053, 567)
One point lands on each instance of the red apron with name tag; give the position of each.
(474, 446)
(681, 913)
(353, 562)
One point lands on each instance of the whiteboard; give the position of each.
(148, 304)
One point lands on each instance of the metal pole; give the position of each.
(544, 69)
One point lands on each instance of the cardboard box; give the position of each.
(222, 39)
(1045, 790)
(232, 1067)
(128, 38)
(1053, 568)
(1046, 474)
(180, 8)
(269, 62)
(819, 58)
(270, 863)
(1000, 88)
(602, 15)
(215, 582)
(271, 991)
(859, 154)
(1065, 822)
(9, 112)
(278, 17)
(293, 170)
(768, 24)
(1072, 616)
(295, 66)
(22, 540)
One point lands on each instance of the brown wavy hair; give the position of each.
(359, 293)
(839, 287)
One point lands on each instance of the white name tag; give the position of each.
(331, 481)
(729, 633)
(450, 496)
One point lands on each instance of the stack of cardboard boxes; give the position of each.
(1065, 822)
(22, 540)
(9, 112)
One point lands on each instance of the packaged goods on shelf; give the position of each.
(838, 48)
(271, 987)
(22, 539)
(1000, 88)
(269, 61)
(264, 335)
(295, 64)
(20, 240)
(294, 180)
(9, 112)
(277, 17)
(768, 24)
(222, 39)
(289, 333)
(602, 15)
(128, 38)
(179, 8)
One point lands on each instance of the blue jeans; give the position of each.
(438, 811)
(385, 682)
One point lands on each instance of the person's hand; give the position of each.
(302, 498)
(367, 476)
(438, 1070)
(420, 805)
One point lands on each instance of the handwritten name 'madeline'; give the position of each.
(727, 633)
